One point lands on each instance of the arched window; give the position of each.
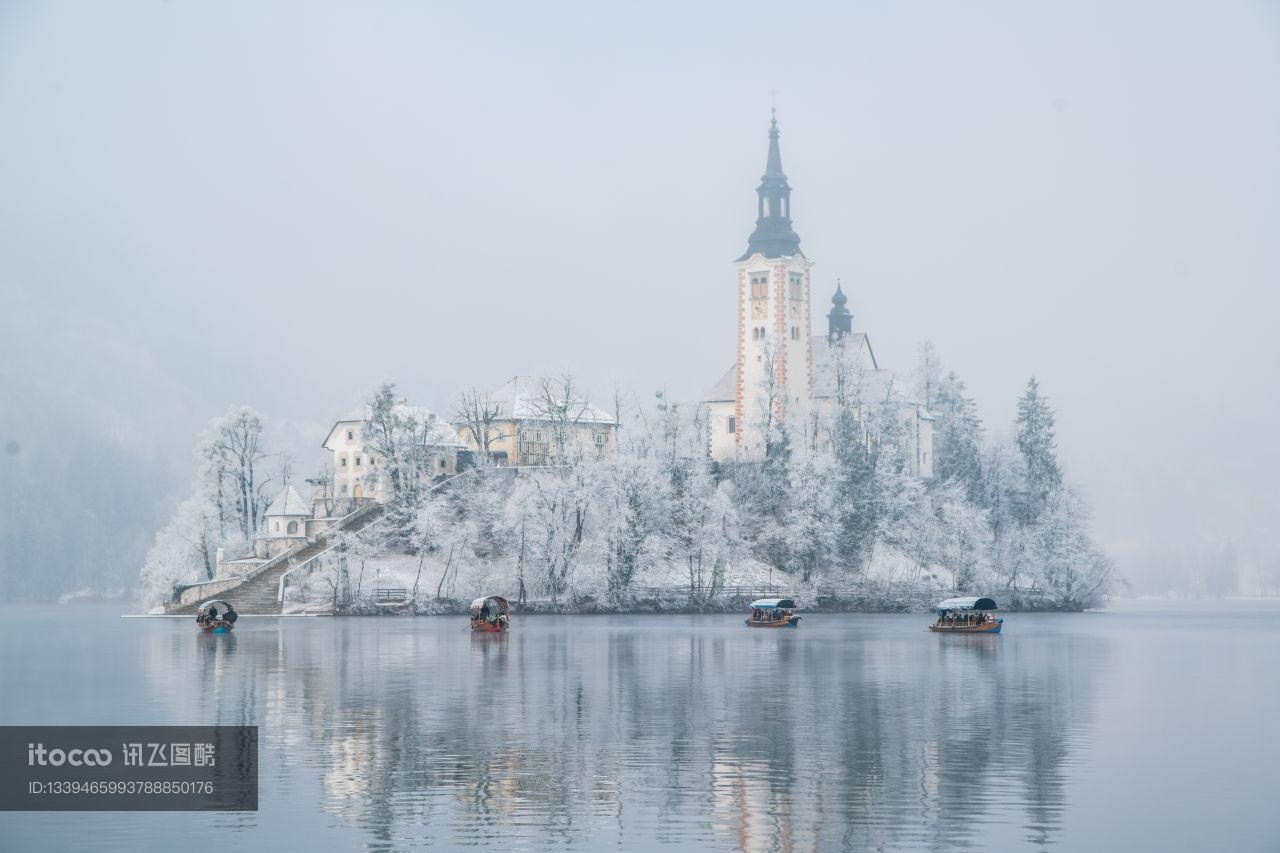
(293, 528)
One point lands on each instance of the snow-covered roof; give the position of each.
(289, 502)
(440, 432)
(724, 391)
(967, 603)
(524, 398)
(858, 349)
(876, 383)
(770, 603)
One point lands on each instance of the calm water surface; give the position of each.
(1141, 728)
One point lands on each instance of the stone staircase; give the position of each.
(258, 593)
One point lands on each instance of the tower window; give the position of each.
(760, 286)
(795, 333)
(797, 287)
(732, 424)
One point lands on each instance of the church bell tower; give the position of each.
(774, 373)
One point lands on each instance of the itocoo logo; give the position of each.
(37, 754)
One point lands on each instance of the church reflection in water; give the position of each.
(594, 732)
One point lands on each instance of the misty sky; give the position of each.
(282, 204)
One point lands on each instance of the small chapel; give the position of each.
(781, 369)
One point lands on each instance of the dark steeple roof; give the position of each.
(773, 236)
(839, 318)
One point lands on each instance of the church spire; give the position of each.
(773, 237)
(839, 318)
(773, 167)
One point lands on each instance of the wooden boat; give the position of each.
(967, 616)
(773, 613)
(211, 620)
(490, 614)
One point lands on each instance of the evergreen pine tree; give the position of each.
(957, 438)
(1038, 447)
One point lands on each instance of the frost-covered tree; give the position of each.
(957, 437)
(559, 406)
(479, 414)
(235, 460)
(183, 551)
(561, 506)
(927, 376)
(1038, 446)
(631, 509)
(398, 441)
(1068, 569)
(811, 523)
(963, 537)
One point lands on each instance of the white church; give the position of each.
(781, 370)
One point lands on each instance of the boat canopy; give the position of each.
(500, 602)
(226, 605)
(771, 603)
(968, 604)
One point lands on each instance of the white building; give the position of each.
(781, 369)
(530, 417)
(286, 522)
(357, 472)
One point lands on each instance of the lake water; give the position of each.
(1145, 727)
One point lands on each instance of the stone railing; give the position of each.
(188, 594)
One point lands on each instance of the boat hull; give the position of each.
(216, 629)
(988, 628)
(488, 628)
(789, 622)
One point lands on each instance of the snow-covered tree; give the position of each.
(1038, 446)
(957, 437)
(927, 376)
(479, 414)
(225, 508)
(235, 461)
(183, 551)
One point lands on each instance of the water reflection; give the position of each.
(850, 733)
(576, 728)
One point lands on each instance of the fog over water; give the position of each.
(283, 204)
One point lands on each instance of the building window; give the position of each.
(797, 287)
(795, 333)
(733, 423)
(602, 438)
(293, 528)
(760, 286)
(351, 435)
(357, 461)
(442, 464)
(342, 462)
(275, 526)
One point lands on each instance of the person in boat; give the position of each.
(231, 616)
